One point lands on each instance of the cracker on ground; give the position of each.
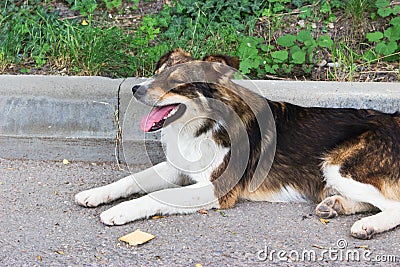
(136, 238)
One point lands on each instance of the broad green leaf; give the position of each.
(395, 21)
(246, 65)
(286, 40)
(325, 41)
(305, 12)
(392, 33)
(391, 48)
(385, 11)
(382, 3)
(374, 36)
(299, 57)
(325, 7)
(294, 49)
(278, 7)
(304, 36)
(386, 49)
(280, 56)
(271, 69)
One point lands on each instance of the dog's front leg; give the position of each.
(182, 200)
(160, 176)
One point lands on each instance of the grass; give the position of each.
(282, 38)
(32, 37)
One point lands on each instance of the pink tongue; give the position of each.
(156, 115)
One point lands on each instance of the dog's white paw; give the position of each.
(92, 197)
(363, 229)
(118, 215)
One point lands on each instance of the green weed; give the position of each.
(387, 42)
(33, 36)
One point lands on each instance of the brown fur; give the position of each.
(372, 157)
(177, 56)
(391, 190)
(341, 136)
(227, 60)
(364, 143)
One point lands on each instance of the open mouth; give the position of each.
(161, 116)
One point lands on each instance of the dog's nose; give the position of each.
(135, 88)
(139, 91)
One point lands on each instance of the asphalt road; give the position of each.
(40, 225)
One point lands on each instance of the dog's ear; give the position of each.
(172, 58)
(227, 60)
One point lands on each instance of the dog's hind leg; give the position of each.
(158, 177)
(358, 192)
(338, 205)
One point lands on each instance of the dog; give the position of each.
(347, 160)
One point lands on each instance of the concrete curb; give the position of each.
(56, 117)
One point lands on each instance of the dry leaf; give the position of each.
(39, 258)
(60, 252)
(157, 217)
(199, 265)
(65, 161)
(203, 211)
(323, 221)
(363, 246)
(136, 238)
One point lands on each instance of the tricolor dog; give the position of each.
(224, 143)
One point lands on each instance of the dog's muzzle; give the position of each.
(138, 91)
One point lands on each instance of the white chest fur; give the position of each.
(196, 157)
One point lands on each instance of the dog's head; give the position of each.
(180, 85)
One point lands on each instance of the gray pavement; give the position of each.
(41, 226)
